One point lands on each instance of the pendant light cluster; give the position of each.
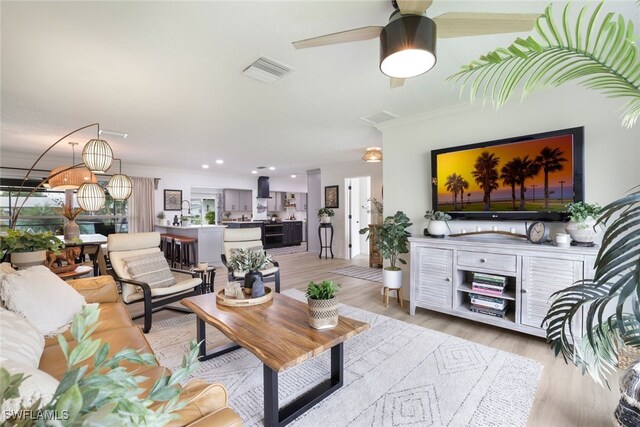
(97, 157)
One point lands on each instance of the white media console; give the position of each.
(442, 269)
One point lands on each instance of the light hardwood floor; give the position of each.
(564, 398)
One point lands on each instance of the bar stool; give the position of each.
(184, 251)
(385, 297)
(166, 245)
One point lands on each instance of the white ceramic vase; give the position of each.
(582, 232)
(392, 279)
(28, 259)
(437, 228)
(325, 219)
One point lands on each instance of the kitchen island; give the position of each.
(210, 240)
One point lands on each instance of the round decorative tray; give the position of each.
(245, 301)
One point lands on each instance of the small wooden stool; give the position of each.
(184, 251)
(385, 296)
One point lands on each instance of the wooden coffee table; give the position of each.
(277, 333)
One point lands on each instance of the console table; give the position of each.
(442, 272)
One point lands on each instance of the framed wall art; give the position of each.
(172, 200)
(331, 197)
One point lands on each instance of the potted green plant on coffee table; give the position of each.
(325, 214)
(249, 262)
(27, 249)
(323, 304)
(583, 217)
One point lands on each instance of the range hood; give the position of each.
(263, 187)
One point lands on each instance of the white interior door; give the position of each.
(365, 217)
(353, 188)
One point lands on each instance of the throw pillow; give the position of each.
(37, 385)
(20, 341)
(152, 269)
(41, 297)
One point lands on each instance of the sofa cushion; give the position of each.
(20, 341)
(37, 385)
(42, 297)
(112, 316)
(54, 363)
(152, 269)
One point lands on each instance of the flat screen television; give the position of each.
(529, 177)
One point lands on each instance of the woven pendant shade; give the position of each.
(97, 155)
(119, 187)
(70, 179)
(91, 197)
(373, 155)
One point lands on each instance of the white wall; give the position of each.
(314, 200)
(335, 175)
(611, 151)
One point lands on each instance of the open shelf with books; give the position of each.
(485, 295)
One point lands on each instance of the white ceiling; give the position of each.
(169, 74)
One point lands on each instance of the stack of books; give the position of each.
(489, 283)
(490, 306)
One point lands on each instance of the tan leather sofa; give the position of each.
(207, 402)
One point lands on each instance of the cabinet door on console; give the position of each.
(434, 285)
(541, 277)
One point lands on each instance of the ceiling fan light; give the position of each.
(119, 187)
(408, 46)
(373, 155)
(97, 155)
(91, 197)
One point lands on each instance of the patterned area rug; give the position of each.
(364, 273)
(287, 250)
(396, 374)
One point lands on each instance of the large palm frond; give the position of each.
(616, 282)
(600, 53)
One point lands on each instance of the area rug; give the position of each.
(287, 250)
(396, 374)
(364, 273)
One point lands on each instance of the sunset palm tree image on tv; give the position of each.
(525, 177)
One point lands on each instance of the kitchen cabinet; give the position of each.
(245, 201)
(231, 200)
(292, 233)
(238, 200)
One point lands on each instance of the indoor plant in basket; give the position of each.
(325, 214)
(28, 249)
(323, 304)
(249, 262)
(583, 217)
(437, 225)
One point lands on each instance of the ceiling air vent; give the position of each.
(380, 117)
(267, 70)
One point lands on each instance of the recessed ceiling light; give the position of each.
(205, 166)
(272, 168)
(219, 161)
(254, 172)
(293, 176)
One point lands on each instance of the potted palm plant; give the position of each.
(28, 249)
(323, 304)
(325, 214)
(249, 262)
(393, 240)
(437, 226)
(583, 217)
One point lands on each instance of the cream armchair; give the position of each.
(247, 238)
(140, 267)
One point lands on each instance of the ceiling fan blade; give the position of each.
(462, 24)
(396, 82)
(356, 35)
(413, 7)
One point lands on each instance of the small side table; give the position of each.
(81, 270)
(207, 275)
(328, 229)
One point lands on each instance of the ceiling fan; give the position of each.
(408, 41)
